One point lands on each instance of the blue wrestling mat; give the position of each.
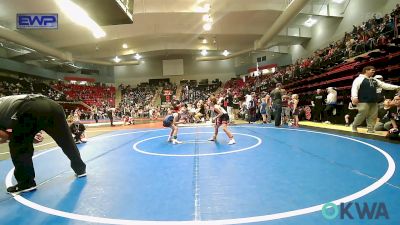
(272, 175)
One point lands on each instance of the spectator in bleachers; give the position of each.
(176, 104)
(395, 115)
(384, 120)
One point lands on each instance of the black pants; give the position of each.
(316, 113)
(78, 135)
(33, 116)
(252, 115)
(277, 115)
(394, 136)
(328, 113)
(110, 116)
(96, 117)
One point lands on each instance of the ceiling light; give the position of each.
(124, 45)
(204, 52)
(137, 56)
(207, 26)
(338, 1)
(207, 7)
(204, 41)
(207, 18)
(310, 22)
(225, 53)
(80, 17)
(116, 59)
(199, 9)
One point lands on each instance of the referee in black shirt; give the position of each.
(21, 118)
(276, 96)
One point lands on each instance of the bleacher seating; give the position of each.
(374, 43)
(98, 95)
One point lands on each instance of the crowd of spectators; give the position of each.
(194, 92)
(14, 85)
(139, 101)
(89, 93)
(376, 33)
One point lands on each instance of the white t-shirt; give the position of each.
(248, 99)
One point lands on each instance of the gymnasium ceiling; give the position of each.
(163, 27)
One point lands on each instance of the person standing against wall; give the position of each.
(229, 104)
(330, 109)
(318, 105)
(276, 96)
(364, 95)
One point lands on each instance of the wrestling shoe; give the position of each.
(174, 141)
(19, 188)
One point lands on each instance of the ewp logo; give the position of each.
(364, 211)
(37, 21)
